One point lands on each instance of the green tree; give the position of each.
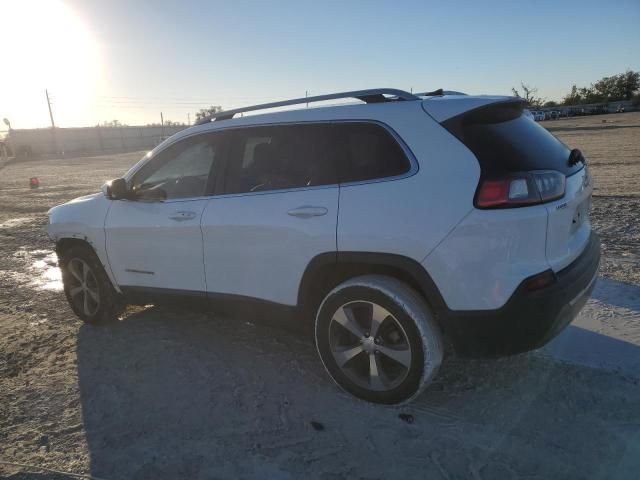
(627, 84)
(608, 89)
(573, 97)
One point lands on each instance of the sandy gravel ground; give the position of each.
(611, 144)
(176, 394)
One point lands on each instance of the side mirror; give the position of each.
(117, 189)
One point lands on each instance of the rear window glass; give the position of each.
(505, 140)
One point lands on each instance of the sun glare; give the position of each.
(46, 45)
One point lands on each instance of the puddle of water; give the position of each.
(40, 253)
(49, 276)
(41, 271)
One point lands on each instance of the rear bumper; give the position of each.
(529, 319)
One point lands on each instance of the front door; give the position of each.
(154, 240)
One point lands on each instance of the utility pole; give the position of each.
(188, 119)
(53, 125)
(306, 94)
(54, 140)
(162, 124)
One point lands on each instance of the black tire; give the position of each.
(109, 303)
(416, 333)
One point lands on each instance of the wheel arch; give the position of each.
(65, 243)
(327, 270)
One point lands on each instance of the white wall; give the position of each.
(42, 141)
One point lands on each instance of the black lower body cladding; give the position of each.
(529, 319)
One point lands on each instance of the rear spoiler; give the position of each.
(442, 109)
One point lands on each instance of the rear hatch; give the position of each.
(522, 164)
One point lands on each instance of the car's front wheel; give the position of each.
(87, 287)
(378, 339)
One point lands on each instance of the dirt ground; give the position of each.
(176, 394)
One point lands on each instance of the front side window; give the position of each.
(183, 170)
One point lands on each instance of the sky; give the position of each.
(131, 60)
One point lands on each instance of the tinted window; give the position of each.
(505, 140)
(369, 152)
(292, 156)
(182, 170)
(280, 157)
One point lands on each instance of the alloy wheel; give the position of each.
(370, 345)
(83, 287)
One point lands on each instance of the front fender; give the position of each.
(83, 219)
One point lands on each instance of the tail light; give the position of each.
(520, 189)
(541, 280)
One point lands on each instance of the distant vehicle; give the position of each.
(538, 116)
(457, 216)
(620, 109)
(599, 110)
(552, 115)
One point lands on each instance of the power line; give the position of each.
(183, 98)
(185, 103)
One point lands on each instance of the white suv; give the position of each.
(391, 224)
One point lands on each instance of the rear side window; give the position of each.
(368, 152)
(505, 140)
(280, 157)
(305, 155)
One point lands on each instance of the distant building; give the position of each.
(590, 108)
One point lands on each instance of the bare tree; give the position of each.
(529, 95)
(205, 112)
(114, 123)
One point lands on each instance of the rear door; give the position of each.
(155, 241)
(277, 211)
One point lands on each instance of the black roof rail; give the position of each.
(439, 93)
(375, 95)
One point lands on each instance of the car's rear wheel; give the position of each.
(378, 339)
(87, 287)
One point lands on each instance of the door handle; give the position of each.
(182, 215)
(308, 212)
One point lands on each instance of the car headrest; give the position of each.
(263, 153)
